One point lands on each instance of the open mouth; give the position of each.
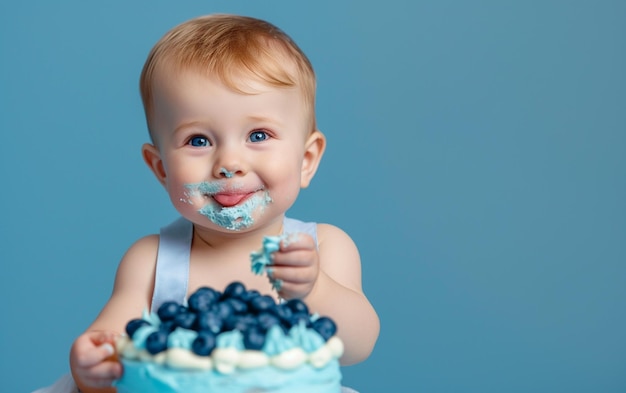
(231, 206)
(229, 200)
(236, 211)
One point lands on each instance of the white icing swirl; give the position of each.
(230, 355)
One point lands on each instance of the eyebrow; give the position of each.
(253, 118)
(264, 119)
(187, 125)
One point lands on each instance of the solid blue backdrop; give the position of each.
(476, 155)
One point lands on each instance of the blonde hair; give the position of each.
(230, 47)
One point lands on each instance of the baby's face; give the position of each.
(231, 161)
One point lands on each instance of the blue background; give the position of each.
(477, 156)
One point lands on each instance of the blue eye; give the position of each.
(199, 141)
(258, 136)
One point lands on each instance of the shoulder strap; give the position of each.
(172, 266)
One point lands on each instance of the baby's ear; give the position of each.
(313, 152)
(152, 157)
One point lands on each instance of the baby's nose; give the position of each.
(226, 173)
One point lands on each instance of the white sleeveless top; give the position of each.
(172, 265)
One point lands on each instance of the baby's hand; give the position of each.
(92, 359)
(295, 266)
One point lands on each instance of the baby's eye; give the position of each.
(199, 141)
(258, 136)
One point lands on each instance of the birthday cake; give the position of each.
(235, 341)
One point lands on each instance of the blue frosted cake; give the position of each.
(235, 341)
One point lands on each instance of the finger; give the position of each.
(292, 275)
(93, 356)
(103, 374)
(107, 371)
(105, 337)
(294, 291)
(297, 241)
(300, 258)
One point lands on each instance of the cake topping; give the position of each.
(133, 325)
(325, 327)
(236, 319)
(204, 343)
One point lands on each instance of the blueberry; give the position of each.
(235, 289)
(250, 294)
(240, 322)
(253, 338)
(204, 344)
(202, 299)
(262, 303)
(168, 310)
(283, 312)
(223, 310)
(325, 327)
(298, 317)
(156, 342)
(238, 305)
(185, 319)
(297, 306)
(209, 321)
(133, 325)
(266, 320)
(168, 326)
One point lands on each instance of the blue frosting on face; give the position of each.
(205, 187)
(227, 173)
(236, 217)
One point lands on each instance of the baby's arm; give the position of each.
(329, 281)
(92, 365)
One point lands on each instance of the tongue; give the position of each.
(228, 200)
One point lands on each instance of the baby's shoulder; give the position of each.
(339, 256)
(135, 273)
(328, 234)
(325, 229)
(142, 252)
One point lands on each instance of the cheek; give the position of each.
(284, 169)
(286, 164)
(287, 183)
(180, 196)
(176, 184)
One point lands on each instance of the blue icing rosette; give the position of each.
(151, 317)
(276, 342)
(308, 339)
(231, 339)
(181, 338)
(140, 335)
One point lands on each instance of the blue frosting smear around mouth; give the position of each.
(205, 188)
(236, 217)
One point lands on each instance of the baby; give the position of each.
(230, 106)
